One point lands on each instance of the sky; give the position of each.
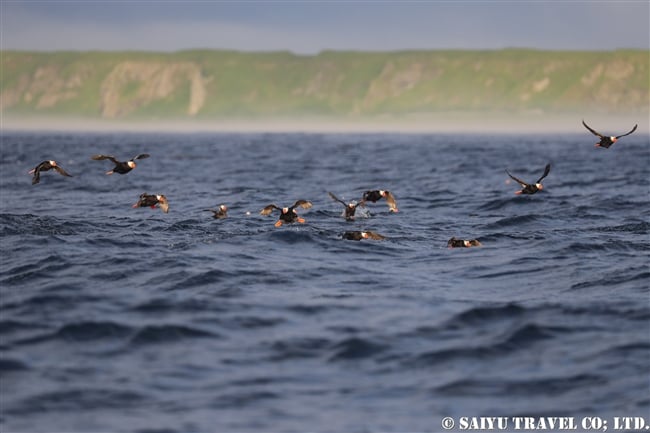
(308, 27)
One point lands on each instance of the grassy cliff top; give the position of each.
(205, 85)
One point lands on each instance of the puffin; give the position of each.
(45, 166)
(375, 195)
(220, 212)
(607, 141)
(358, 235)
(528, 188)
(462, 243)
(120, 167)
(350, 208)
(153, 200)
(287, 214)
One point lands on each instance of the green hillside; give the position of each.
(205, 85)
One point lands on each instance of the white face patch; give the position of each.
(539, 186)
(285, 210)
(131, 164)
(52, 163)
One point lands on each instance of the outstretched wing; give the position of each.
(268, 209)
(141, 156)
(633, 129)
(335, 198)
(302, 203)
(519, 181)
(102, 157)
(592, 131)
(547, 169)
(37, 175)
(62, 171)
(390, 200)
(375, 236)
(163, 204)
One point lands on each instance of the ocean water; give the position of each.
(132, 320)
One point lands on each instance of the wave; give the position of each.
(78, 399)
(354, 348)
(550, 386)
(300, 347)
(611, 281)
(157, 334)
(8, 365)
(29, 224)
(81, 332)
(521, 337)
(517, 221)
(478, 315)
(640, 228)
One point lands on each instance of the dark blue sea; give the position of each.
(132, 320)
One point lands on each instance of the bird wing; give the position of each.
(592, 131)
(102, 157)
(335, 198)
(547, 169)
(268, 209)
(633, 129)
(62, 171)
(163, 203)
(141, 156)
(37, 176)
(302, 203)
(390, 200)
(375, 236)
(519, 181)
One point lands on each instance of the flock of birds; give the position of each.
(289, 215)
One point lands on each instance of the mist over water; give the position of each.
(122, 319)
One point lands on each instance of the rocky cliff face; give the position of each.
(210, 84)
(131, 85)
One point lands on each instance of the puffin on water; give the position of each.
(287, 214)
(375, 195)
(358, 235)
(350, 208)
(153, 200)
(462, 243)
(607, 141)
(120, 167)
(45, 166)
(531, 188)
(219, 213)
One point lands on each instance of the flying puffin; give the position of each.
(153, 200)
(461, 243)
(219, 213)
(350, 208)
(607, 141)
(358, 235)
(45, 166)
(287, 214)
(375, 195)
(121, 167)
(529, 188)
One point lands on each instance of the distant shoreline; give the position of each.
(466, 122)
